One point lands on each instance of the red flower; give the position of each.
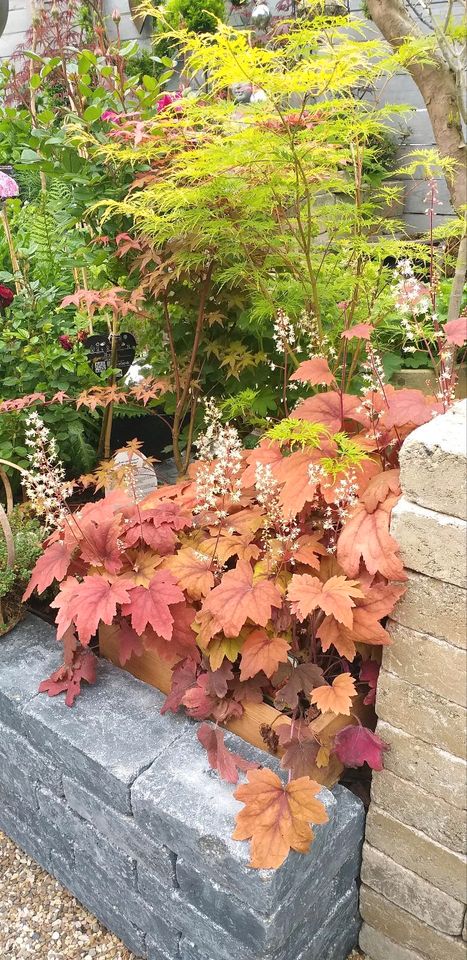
(6, 296)
(65, 341)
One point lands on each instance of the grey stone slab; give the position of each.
(334, 941)
(105, 855)
(16, 787)
(113, 733)
(121, 831)
(17, 752)
(157, 953)
(22, 832)
(93, 898)
(28, 655)
(164, 938)
(183, 803)
(306, 908)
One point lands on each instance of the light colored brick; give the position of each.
(379, 947)
(423, 714)
(414, 806)
(403, 928)
(411, 892)
(424, 764)
(438, 449)
(415, 851)
(427, 662)
(441, 606)
(430, 542)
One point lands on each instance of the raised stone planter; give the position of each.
(120, 805)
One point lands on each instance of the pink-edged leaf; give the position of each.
(456, 331)
(68, 680)
(151, 604)
(183, 677)
(356, 745)
(220, 757)
(362, 331)
(129, 643)
(315, 371)
(369, 673)
(51, 565)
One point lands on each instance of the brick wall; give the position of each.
(414, 869)
(120, 805)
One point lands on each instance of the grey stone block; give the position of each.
(113, 733)
(156, 953)
(24, 834)
(57, 823)
(16, 784)
(306, 907)
(105, 855)
(16, 750)
(93, 898)
(164, 940)
(181, 801)
(29, 654)
(334, 941)
(121, 831)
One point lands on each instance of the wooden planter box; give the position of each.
(157, 672)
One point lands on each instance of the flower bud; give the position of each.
(116, 15)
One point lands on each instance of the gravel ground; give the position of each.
(39, 920)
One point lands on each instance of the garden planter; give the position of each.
(423, 379)
(157, 672)
(120, 805)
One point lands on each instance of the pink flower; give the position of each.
(65, 341)
(8, 186)
(111, 116)
(167, 99)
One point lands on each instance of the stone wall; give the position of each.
(414, 870)
(120, 805)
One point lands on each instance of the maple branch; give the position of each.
(181, 404)
(173, 353)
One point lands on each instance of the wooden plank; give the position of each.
(158, 673)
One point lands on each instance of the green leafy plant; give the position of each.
(20, 546)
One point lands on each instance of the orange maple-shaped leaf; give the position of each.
(407, 406)
(315, 371)
(265, 453)
(151, 604)
(336, 698)
(89, 603)
(238, 597)
(51, 565)
(307, 593)
(262, 652)
(326, 408)
(192, 571)
(379, 487)
(308, 549)
(366, 537)
(277, 816)
(293, 473)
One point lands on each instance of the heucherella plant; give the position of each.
(263, 576)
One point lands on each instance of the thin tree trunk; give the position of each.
(438, 87)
